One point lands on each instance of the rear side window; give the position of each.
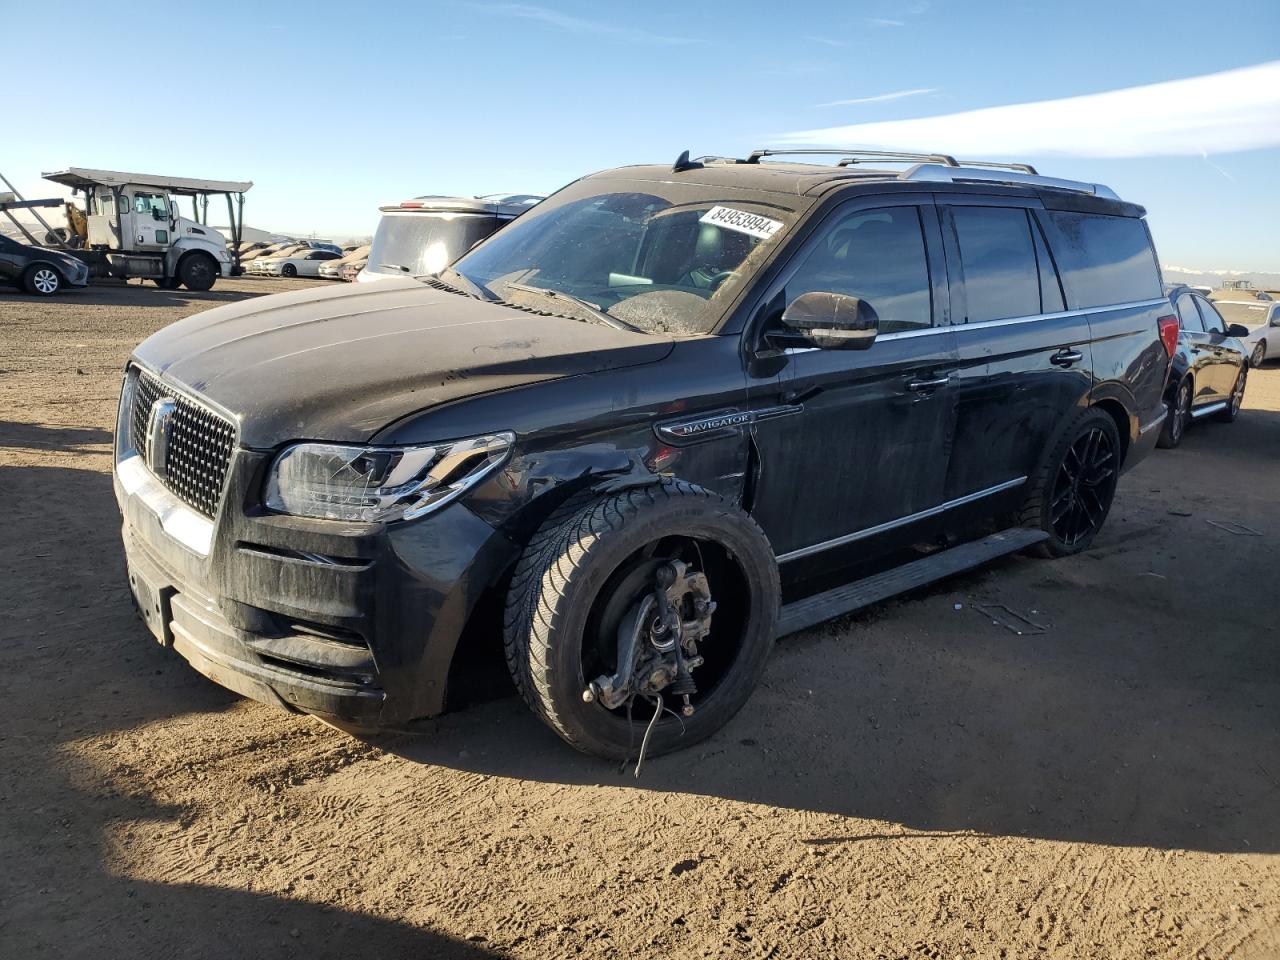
(1103, 260)
(1213, 322)
(1188, 315)
(1001, 278)
(878, 256)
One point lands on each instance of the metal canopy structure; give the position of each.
(83, 178)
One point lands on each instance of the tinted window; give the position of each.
(1001, 278)
(1103, 260)
(878, 256)
(1213, 322)
(421, 244)
(1188, 316)
(1051, 299)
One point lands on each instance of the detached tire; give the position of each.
(1071, 495)
(589, 564)
(197, 271)
(41, 280)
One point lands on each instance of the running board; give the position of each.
(1208, 409)
(862, 593)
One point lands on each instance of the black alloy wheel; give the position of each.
(1084, 486)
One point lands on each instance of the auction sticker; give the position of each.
(741, 221)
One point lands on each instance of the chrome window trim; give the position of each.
(900, 522)
(1010, 321)
(191, 529)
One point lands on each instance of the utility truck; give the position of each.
(134, 228)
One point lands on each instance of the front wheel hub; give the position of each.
(658, 640)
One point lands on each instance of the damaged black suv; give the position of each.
(665, 416)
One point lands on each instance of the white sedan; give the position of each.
(305, 263)
(1262, 317)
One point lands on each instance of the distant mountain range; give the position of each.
(1214, 278)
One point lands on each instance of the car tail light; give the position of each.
(1169, 328)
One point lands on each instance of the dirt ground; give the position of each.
(918, 781)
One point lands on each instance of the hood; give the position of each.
(324, 364)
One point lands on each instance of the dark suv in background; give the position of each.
(666, 415)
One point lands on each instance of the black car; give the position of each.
(1208, 370)
(666, 415)
(40, 271)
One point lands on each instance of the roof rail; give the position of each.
(993, 165)
(980, 173)
(857, 156)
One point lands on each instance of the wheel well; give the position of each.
(195, 253)
(1116, 411)
(478, 668)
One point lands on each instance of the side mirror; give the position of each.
(1237, 330)
(1275, 321)
(834, 321)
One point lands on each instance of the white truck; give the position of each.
(136, 230)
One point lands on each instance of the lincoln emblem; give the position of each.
(159, 425)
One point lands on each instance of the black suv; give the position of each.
(668, 414)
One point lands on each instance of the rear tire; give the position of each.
(1236, 399)
(1071, 494)
(197, 272)
(1179, 415)
(40, 280)
(588, 564)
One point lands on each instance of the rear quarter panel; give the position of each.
(1130, 366)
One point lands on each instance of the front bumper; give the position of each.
(355, 622)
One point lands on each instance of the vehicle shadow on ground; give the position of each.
(76, 664)
(1155, 726)
(52, 437)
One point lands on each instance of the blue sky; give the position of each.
(333, 108)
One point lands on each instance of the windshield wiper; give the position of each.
(474, 289)
(587, 305)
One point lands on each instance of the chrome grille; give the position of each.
(199, 445)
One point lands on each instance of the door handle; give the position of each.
(917, 386)
(1065, 358)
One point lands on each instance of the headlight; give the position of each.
(335, 482)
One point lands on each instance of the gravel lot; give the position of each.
(916, 781)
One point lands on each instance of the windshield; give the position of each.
(661, 257)
(1250, 314)
(417, 244)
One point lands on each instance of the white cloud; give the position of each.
(882, 22)
(580, 25)
(879, 97)
(1218, 113)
